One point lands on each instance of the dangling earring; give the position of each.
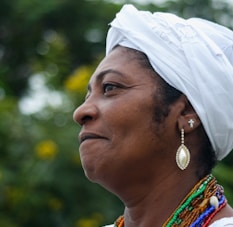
(182, 154)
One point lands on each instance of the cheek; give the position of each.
(123, 123)
(132, 127)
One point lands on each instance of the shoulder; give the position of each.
(228, 222)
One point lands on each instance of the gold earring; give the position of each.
(182, 154)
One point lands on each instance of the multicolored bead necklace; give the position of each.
(198, 208)
(119, 222)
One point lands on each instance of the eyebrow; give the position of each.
(102, 74)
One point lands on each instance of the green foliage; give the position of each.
(48, 50)
(224, 175)
(41, 179)
(38, 30)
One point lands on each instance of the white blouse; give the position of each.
(223, 222)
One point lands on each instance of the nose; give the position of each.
(85, 113)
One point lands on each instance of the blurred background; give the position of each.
(48, 51)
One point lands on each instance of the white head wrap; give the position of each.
(195, 56)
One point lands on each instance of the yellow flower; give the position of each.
(79, 79)
(46, 150)
(55, 204)
(93, 221)
(87, 222)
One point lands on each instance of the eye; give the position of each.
(108, 87)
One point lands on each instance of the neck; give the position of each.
(151, 204)
(197, 208)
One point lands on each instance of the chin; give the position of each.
(101, 179)
(90, 176)
(97, 176)
(91, 172)
(93, 168)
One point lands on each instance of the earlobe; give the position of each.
(189, 122)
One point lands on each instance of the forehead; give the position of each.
(124, 62)
(120, 56)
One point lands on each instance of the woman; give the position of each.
(157, 117)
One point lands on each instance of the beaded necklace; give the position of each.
(198, 208)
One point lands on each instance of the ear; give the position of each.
(188, 118)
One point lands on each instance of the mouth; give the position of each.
(89, 136)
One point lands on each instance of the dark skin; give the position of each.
(129, 154)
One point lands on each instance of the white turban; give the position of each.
(195, 56)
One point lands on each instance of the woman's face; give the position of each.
(119, 137)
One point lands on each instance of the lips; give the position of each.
(89, 136)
